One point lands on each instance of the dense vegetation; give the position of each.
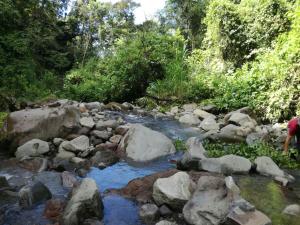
(232, 53)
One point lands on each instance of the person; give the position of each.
(293, 132)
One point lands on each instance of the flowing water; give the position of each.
(265, 194)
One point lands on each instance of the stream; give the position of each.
(266, 195)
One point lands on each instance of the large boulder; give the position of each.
(189, 119)
(242, 120)
(32, 148)
(79, 144)
(266, 166)
(41, 123)
(142, 144)
(228, 164)
(293, 210)
(232, 134)
(173, 191)
(210, 202)
(209, 124)
(85, 203)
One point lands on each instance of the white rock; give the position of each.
(293, 210)
(189, 119)
(209, 124)
(79, 144)
(32, 148)
(87, 122)
(203, 114)
(173, 191)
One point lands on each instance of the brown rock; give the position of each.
(106, 146)
(122, 130)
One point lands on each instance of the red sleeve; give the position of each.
(292, 126)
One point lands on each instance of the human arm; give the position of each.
(286, 143)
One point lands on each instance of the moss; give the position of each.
(3, 116)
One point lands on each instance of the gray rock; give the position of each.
(242, 119)
(32, 148)
(79, 144)
(104, 135)
(189, 119)
(228, 164)
(85, 203)
(63, 154)
(26, 125)
(93, 105)
(68, 179)
(57, 141)
(87, 122)
(92, 222)
(52, 180)
(293, 210)
(189, 107)
(33, 194)
(3, 183)
(78, 161)
(174, 110)
(104, 158)
(232, 134)
(257, 137)
(210, 202)
(149, 213)
(116, 139)
(103, 125)
(164, 210)
(209, 124)
(173, 191)
(143, 144)
(203, 114)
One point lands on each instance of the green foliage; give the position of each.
(125, 74)
(252, 152)
(3, 116)
(179, 145)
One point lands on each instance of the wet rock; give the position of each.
(103, 125)
(165, 211)
(32, 148)
(57, 141)
(203, 115)
(79, 144)
(68, 179)
(293, 210)
(115, 139)
(104, 158)
(189, 107)
(35, 164)
(93, 105)
(165, 222)
(209, 124)
(54, 209)
(142, 144)
(3, 183)
(149, 213)
(104, 135)
(266, 166)
(173, 191)
(189, 119)
(33, 194)
(239, 217)
(52, 180)
(228, 164)
(27, 124)
(210, 203)
(85, 203)
(87, 122)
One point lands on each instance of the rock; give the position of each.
(52, 180)
(103, 125)
(33, 194)
(63, 154)
(164, 210)
(257, 137)
(82, 108)
(143, 144)
(127, 106)
(92, 222)
(79, 144)
(104, 158)
(210, 202)
(231, 185)
(104, 135)
(22, 126)
(194, 153)
(203, 115)
(93, 105)
(266, 166)
(87, 122)
(209, 124)
(107, 146)
(228, 164)
(189, 107)
(242, 120)
(232, 134)
(115, 139)
(3, 183)
(54, 209)
(293, 210)
(173, 191)
(68, 179)
(78, 161)
(189, 119)
(149, 213)
(32, 148)
(174, 110)
(165, 222)
(114, 106)
(85, 203)
(57, 141)
(210, 108)
(122, 130)
(239, 217)
(35, 164)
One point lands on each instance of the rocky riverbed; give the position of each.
(114, 164)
